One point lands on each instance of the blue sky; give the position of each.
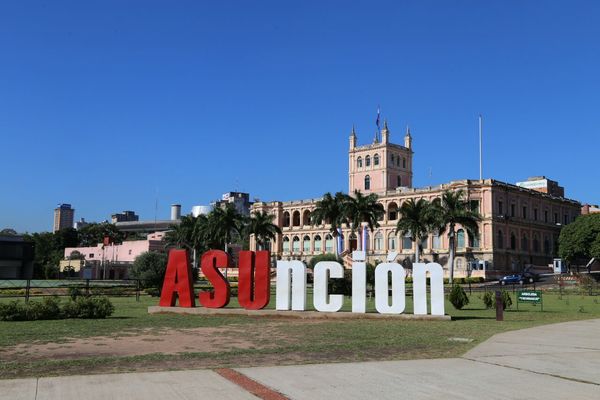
(109, 105)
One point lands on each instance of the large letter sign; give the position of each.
(254, 289)
(254, 283)
(211, 261)
(178, 281)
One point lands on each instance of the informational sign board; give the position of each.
(530, 296)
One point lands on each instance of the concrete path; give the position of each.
(549, 362)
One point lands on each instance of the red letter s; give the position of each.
(219, 297)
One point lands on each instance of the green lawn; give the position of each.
(289, 341)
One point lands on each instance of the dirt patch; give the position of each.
(150, 341)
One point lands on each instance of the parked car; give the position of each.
(517, 279)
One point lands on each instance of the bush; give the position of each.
(150, 268)
(323, 257)
(74, 293)
(489, 299)
(458, 297)
(12, 311)
(88, 308)
(49, 308)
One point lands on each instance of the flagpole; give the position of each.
(480, 148)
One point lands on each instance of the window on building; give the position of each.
(500, 208)
(367, 161)
(524, 212)
(286, 244)
(546, 245)
(403, 162)
(359, 162)
(376, 159)
(306, 218)
(512, 210)
(424, 243)
(536, 244)
(556, 218)
(378, 241)
(500, 240)
(566, 219)
(392, 158)
(524, 242)
(459, 263)
(392, 241)
(393, 211)
(474, 204)
(474, 241)
(407, 243)
(546, 216)
(306, 244)
(437, 242)
(296, 244)
(91, 255)
(513, 241)
(367, 182)
(329, 243)
(317, 243)
(398, 181)
(535, 214)
(460, 239)
(296, 218)
(286, 219)
(398, 161)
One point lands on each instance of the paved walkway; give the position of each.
(549, 362)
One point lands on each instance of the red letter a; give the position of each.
(254, 287)
(219, 297)
(178, 281)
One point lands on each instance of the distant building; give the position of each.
(153, 225)
(241, 201)
(125, 216)
(16, 257)
(109, 261)
(589, 209)
(544, 185)
(80, 224)
(63, 217)
(200, 210)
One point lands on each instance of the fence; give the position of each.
(39, 288)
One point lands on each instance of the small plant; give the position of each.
(74, 293)
(489, 300)
(458, 297)
(581, 309)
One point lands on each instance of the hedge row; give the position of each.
(53, 308)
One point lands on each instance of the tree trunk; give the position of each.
(417, 252)
(451, 257)
(335, 245)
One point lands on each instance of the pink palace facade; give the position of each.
(519, 227)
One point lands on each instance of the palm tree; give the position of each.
(416, 220)
(260, 224)
(359, 209)
(191, 233)
(223, 224)
(451, 210)
(330, 209)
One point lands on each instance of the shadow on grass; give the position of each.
(468, 317)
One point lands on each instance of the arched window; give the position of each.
(359, 162)
(398, 180)
(513, 241)
(407, 243)
(460, 239)
(286, 219)
(392, 241)
(328, 243)
(306, 218)
(392, 158)
(500, 240)
(437, 242)
(376, 159)
(474, 241)
(306, 244)
(536, 243)
(296, 244)
(367, 161)
(392, 211)
(296, 218)
(286, 244)
(317, 243)
(398, 161)
(524, 242)
(424, 243)
(367, 182)
(378, 241)
(546, 245)
(403, 162)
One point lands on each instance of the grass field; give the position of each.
(134, 340)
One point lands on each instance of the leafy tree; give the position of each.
(149, 268)
(94, 233)
(260, 224)
(8, 232)
(417, 220)
(46, 255)
(224, 224)
(580, 239)
(330, 209)
(451, 210)
(359, 209)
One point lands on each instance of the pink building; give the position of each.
(115, 257)
(519, 227)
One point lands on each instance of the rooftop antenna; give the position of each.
(480, 147)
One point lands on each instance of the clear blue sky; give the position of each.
(103, 104)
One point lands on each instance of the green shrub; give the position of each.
(154, 292)
(88, 308)
(12, 311)
(458, 297)
(48, 308)
(74, 293)
(489, 299)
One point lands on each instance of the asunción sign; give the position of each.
(254, 284)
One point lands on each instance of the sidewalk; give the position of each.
(548, 362)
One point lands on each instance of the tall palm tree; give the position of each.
(260, 224)
(451, 210)
(359, 209)
(223, 224)
(191, 233)
(330, 209)
(416, 220)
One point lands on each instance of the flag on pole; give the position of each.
(377, 120)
